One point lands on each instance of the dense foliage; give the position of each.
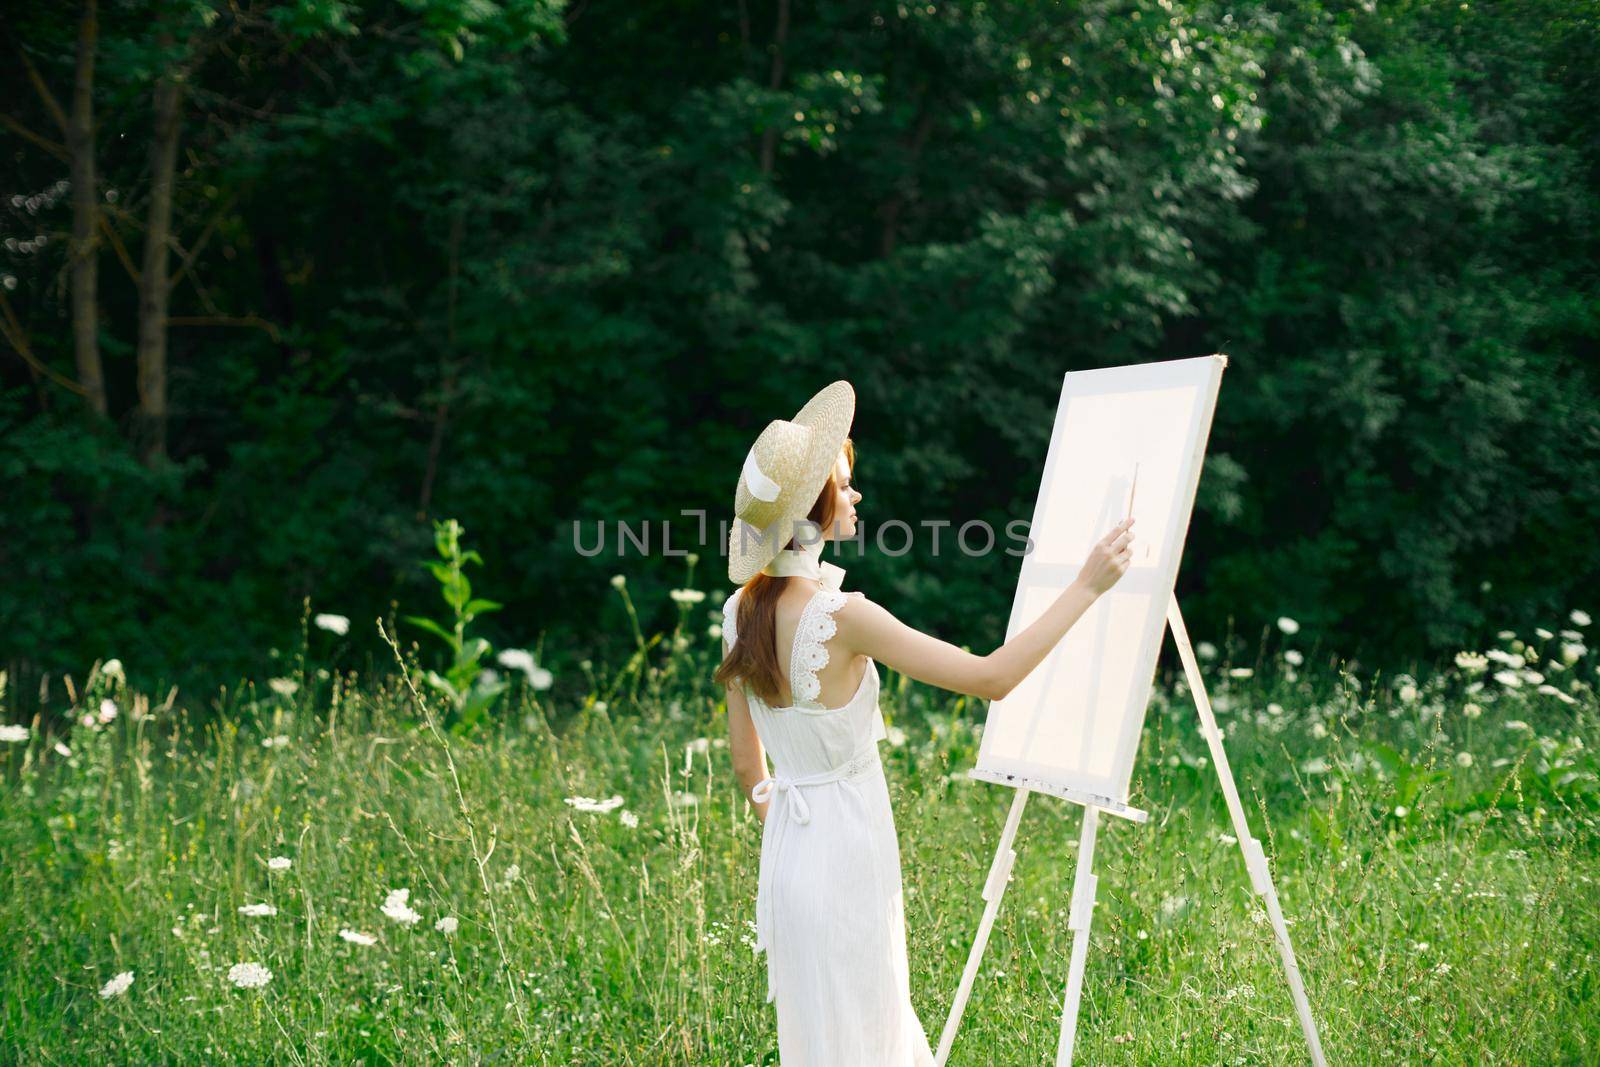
(524, 263)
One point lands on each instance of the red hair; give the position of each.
(754, 658)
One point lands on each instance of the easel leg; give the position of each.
(1255, 860)
(993, 889)
(1084, 884)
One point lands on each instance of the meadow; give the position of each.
(318, 869)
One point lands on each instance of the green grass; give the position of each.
(1441, 913)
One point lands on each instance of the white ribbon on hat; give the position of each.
(761, 487)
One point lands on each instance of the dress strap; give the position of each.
(810, 653)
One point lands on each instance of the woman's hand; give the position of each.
(1108, 559)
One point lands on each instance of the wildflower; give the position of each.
(108, 710)
(597, 807)
(516, 659)
(13, 733)
(1319, 730)
(1516, 724)
(89, 722)
(600, 706)
(279, 863)
(284, 687)
(257, 910)
(687, 596)
(1241, 672)
(1510, 659)
(684, 800)
(1471, 711)
(356, 937)
(1579, 618)
(446, 925)
(118, 985)
(1506, 635)
(1274, 709)
(1543, 634)
(513, 872)
(396, 908)
(1288, 625)
(1463, 759)
(1550, 690)
(62, 750)
(1408, 693)
(1572, 651)
(1401, 811)
(112, 668)
(1293, 658)
(1441, 968)
(1509, 679)
(1471, 662)
(618, 581)
(714, 631)
(630, 820)
(896, 737)
(274, 742)
(1316, 765)
(337, 624)
(249, 975)
(1206, 650)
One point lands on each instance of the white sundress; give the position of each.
(829, 903)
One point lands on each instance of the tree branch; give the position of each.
(17, 338)
(28, 135)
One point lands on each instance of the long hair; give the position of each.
(754, 657)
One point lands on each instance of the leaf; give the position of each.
(432, 627)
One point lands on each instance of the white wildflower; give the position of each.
(1543, 634)
(1510, 659)
(396, 908)
(630, 820)
(62, 750)
(1288, 625)
(1274, 709)
(89, 722)
(337, 624)
(1401, 811)
(1471, 711)
(1509, 679)
(687, 596)
(1550, 690)
(1572, 652)
(1471, 662)
(714, 631)
(356, 937)
(1293, 658)
(249, 975)
(1463, 759)
(274, 742)
(112, 668)
(279, 863)
(108, 710)
(1206, 650)
(257, 910)
(513, 872)
(118, 985)
(1516, 724)
(1579, 618)
(284, 687)
(597, 807)
(1408, 693)
(1241, 672)
(684, 800)
(1319, 730)
(618, 581)
(896, 737)
(13, 733)
(446, 925)
(1506, 635)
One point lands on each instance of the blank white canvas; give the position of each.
(1074, 722)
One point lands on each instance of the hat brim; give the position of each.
(828, 414)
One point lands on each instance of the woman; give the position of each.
(802, 680)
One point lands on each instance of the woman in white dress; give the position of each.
(801, 673)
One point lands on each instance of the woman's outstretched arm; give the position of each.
(866, 628)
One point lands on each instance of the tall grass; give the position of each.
(1439, 871)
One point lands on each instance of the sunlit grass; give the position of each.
(370, 888)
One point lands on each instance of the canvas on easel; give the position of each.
(1126, 440)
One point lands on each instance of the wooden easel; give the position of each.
(1084, 880)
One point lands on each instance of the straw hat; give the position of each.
(783, 473)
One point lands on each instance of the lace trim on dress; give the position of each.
(810, 654)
